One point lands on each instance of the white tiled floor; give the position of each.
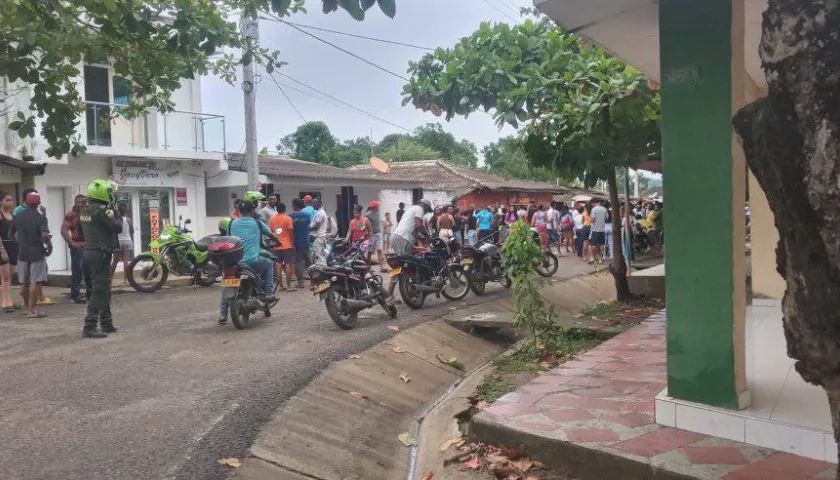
(786, 413)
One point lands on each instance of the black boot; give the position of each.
(90, 331)
(108, 327)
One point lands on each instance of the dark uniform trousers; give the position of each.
(98, 265)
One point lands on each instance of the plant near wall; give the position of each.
(583, 113)
(154, 43)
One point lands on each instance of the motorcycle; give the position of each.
(242, 284)
(429, 271)
(483, 264)
(347, 286)
(549, 264)
(173, 251)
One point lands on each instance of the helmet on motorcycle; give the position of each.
(224, 225)
(253, 196)
(102, 190)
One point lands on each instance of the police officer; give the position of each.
(100, 225)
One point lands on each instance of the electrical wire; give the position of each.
(382, 40)
(499, 10)
(348, 52)
(375, 117)
(511, 4)
(271, 76)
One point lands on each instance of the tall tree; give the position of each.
(507, 157)
(408, 149)
(792, 143)
(311, 141)
(461, 152)
(584, 112)
(154, 43)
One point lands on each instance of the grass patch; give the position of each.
(601, 310)
(526, 361)
(614, 312)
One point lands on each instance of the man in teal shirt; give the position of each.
(22, 207)
(485, 232)
(250, 230)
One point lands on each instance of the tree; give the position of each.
(154, 43)
(791, 139)
(408, 149)
(350, 152)
(311, 142)
(584, 112)
(461, 152)
(507, 157)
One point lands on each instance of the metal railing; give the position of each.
(155, 130)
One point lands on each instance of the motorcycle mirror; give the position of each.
(188, 222)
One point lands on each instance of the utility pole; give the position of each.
(251, 30)
(638, 180)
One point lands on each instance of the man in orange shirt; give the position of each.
(286, 251)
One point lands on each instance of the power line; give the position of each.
(499, 10)
(271, 76)
(341, 49)
(382, 40)
(344, 103)
(511, 4)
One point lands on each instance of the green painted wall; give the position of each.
(695, 49)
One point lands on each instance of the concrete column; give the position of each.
(703, 81)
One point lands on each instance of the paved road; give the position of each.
(172, 391)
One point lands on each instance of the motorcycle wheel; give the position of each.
(343, 320)
(243, 316)
(207, 275)
(477, 280)
(410, 295)
(548, 266)
(457, 282)
(156, 271)
(389, 308)
(233, 309)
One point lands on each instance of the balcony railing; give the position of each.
(154, 130)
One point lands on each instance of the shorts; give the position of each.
(598, 238)
(375, 243)
(386, 237)
(286, 256)
(553, 236)
(126, 245)
(400, 246)
(32, 272)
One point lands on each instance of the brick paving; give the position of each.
(604, 400)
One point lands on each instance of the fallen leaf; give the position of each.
(393, 328)
(230, 462)
(540, 373)
(524, 465)
(428, 476)
(404, 377)
(448, 444)
(454, 363)
(359, 395)
(406, 439)
(532, 476)
(504, 469)
(461, 332)
(473, 463)
(545, 365)
(398, 350)
(538, 465)
(482, 405)
(355, 357)
(512, 453)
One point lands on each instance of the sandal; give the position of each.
(8, 309)
(36, 315)
(16, 306)
(46, 301)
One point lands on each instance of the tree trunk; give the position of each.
(791, 140)
(618, 267)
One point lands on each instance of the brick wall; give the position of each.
(489, 197)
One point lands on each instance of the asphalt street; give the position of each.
(172, 391)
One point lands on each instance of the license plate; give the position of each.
(231, 282)
(467, 261)
(395, 272)
(320, 288)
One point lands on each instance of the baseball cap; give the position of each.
(307, 198)
(33, 199)
(373, 204)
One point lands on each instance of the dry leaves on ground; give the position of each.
(393, 328)
(508, 463)
(230, 462)
(355, 357)
(359, 395)
(429, 476)
(481, 405)
(404, 377)
(398, 350)
(449, 443)
(406, 439)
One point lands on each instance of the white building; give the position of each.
(160, 160)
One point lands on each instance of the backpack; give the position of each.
(566, 221)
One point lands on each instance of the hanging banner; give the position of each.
(154, 226)
(181, 197)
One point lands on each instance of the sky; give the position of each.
(426, 23)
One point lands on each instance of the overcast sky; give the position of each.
(427, 23)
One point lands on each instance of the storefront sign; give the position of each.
(146, 174)
(154, 226)
(181, 197)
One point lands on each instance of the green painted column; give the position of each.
(696, 51)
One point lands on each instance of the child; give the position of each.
(224, 303)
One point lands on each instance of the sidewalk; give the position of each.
(593, 417)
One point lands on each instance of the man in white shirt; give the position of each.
(412, 221)
(318, 227)
(270, 209)
(552, 224)
(598, 235)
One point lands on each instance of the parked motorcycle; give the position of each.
(549, 264)
(428, 272)
(173, 251)
(483, 264)
(347, 285)
(242, 284)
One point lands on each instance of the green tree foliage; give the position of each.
(155, 43)
(311, 142)
(407, 149)
(507, 157)
(461, 152)
(584, 112)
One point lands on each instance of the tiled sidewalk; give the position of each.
(597, 412)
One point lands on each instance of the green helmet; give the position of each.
(102, 190)
(253, 196)
(224, 224)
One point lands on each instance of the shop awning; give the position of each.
(25, 167)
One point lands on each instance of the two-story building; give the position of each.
(160, 160)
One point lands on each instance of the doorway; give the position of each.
(154, 212)
(56, 207)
